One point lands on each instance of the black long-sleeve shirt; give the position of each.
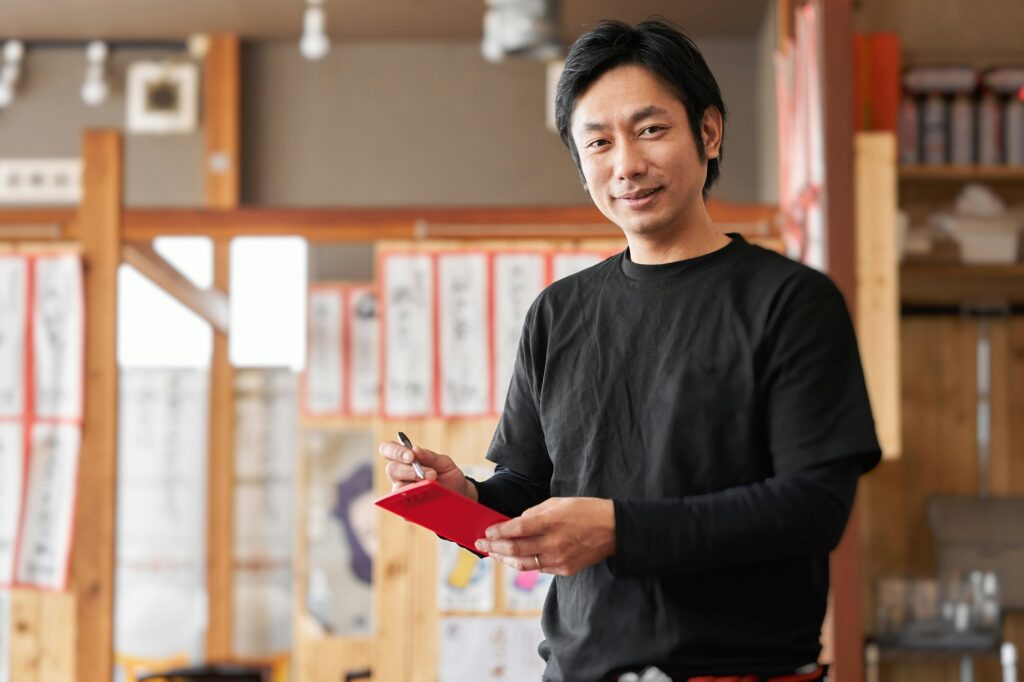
(792, 514)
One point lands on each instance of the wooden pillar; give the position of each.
(221, 125)
(836, 80)
(92, 567)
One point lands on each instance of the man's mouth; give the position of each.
(639, 194)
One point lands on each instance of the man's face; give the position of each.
(637, 152)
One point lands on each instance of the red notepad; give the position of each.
(450, 515)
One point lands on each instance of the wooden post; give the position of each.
(220, 120)
(836, 79)
(92, 567)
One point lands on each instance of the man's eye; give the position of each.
(651, 130)
(598, 143)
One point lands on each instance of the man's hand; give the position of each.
(436, 467)
(561, 536)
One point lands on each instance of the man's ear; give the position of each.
(711, 132)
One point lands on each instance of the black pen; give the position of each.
(415, 465)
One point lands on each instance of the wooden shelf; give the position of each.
(960, 173)
(956, 284)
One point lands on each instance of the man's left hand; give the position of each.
(561, 536)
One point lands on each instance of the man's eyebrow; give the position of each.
(638, 115)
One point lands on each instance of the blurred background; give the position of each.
(241, 243)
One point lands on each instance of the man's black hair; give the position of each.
(655, 45)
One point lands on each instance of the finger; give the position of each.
(395, 451)
(517, 563)
(520, 527)
(525, 548)
(405, 473)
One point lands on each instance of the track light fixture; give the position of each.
(14, 53)
(95, 88)
(314, 43)
(521, 28)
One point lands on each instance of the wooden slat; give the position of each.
(221, 78)
(93, 557)
(877, 272)
(209, 304)
(961, 284)
(220, 484)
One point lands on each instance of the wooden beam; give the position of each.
(92, 566)
(836, 22)
(221, 122)
(878, 282)
(372, 224)
(209, 304)
(221, 478)
(221, 98)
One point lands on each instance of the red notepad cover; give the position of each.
(449, 514)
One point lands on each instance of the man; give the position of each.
(687, 420)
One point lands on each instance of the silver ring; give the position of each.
(536, 557)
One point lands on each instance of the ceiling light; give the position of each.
(522, 28)
(314, 43)
(95, 88)
(14, 52)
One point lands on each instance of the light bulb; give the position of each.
(95, 91)
(96, 51)
(6, 94)
(314, 43)
(14, 50)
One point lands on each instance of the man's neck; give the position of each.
(699, 240)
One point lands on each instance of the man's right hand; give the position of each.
(436, 467)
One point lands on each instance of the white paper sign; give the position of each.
(463, 302)
(566, 264)
(490, 649)
(58, 336)
(12, 455)
(160, 583)
(364, 372)
(325, 370)
(518, 279)
(13, 326)
(525, 590)
(465, 582)
(409, 341)
(49, 506)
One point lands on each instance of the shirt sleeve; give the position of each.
(794, 514)
(511, 493)
(518, 442)
(815, 398)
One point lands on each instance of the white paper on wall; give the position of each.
(341, 529)
(565, 264)
(525, 590)
(490, 649)
(13, 327)
(518, 279)
(12, 456)
(47, 523)
(58, 336)
(325, 368)
(409, 335)
(364, 370)
(160, 581)
(464, 334)
(465, 582)
(266, 429)
(5, 636)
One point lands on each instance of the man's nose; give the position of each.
(629, 161)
